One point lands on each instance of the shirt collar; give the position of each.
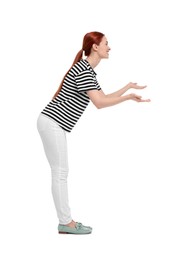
(89, 66)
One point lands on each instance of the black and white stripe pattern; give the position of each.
(72, 100)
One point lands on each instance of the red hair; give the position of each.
(88, 40)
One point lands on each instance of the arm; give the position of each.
(100, 100)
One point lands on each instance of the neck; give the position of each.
(94, 61)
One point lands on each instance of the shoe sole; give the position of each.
(68, 233)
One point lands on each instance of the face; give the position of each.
(103, 48)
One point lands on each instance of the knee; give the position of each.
(59, 174)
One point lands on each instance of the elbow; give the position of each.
(99, 105)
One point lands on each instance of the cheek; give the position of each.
(104, 49)
(101, 51)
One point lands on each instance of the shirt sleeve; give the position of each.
(86, 81)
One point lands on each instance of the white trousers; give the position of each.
(55, 147)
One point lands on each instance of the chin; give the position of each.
(106, 57)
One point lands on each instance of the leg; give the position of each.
(55, 147)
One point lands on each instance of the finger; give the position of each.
(145, 100)
(141, 87)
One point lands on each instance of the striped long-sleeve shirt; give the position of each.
(72, 100)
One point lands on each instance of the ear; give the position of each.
(95, 47)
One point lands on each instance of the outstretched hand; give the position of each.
(135, 86)
(137, 98)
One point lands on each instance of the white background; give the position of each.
(125, 161)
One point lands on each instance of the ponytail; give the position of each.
(77, 58)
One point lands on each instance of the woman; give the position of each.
(77, 88)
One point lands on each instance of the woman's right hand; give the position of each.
(137, 98)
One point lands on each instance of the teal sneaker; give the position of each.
(78, 230)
